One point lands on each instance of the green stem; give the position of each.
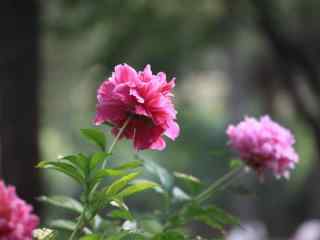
(116, 139)
(79, 226)
(218, 184)
(81, 222)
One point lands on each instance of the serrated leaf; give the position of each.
(137, 187)
(119, 184)
(63, 167)
(63, 202)
(96, 136)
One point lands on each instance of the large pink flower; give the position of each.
(143, 97)
(16, 219)
(264, 145)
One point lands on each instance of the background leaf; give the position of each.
(63, 202)
(96, 136)
(137, 187)
(161, 174)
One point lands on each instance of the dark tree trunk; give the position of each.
(19, 84)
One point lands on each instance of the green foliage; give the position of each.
(170, 235)
(235, 163)
(91, 237)
(63, 224)
(96, 136)
(63, 202)
(102, 209)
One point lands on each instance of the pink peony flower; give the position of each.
(146, 99)
(264, 145)
(16, 220)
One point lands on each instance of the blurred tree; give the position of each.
(19, 74)
(297, 62)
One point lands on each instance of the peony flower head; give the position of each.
(146, 99)
(16, 219)
(264, 145)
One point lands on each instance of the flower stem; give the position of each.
(121, 130)
(226, 179)
(78, 227)
(81, 222)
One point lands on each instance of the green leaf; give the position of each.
(96, 136)
(102, 173)
(119, 204)
(235, 163)
(130, 165)
(119, 184)
(170, 235)
(151, 225)
(91, 237)
(223, 216)
(133, 236)
(126, 235)
(212, 216)
(98, 158)
(189, 182)
(121, 213)
(179, 195)
(186, 177)
(79, 160)
(137, 187)
(63, 167)
(63, 202)
(63, 224)
(161, 174)
(109, 172)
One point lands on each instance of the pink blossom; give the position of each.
(16, 219)
(144, 97)
(264, 145)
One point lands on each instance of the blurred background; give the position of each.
(231, 58)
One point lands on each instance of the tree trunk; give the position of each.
(19, 84)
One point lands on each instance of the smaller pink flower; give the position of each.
(16, 219)
(264, 145)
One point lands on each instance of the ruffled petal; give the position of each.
(173, 130)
